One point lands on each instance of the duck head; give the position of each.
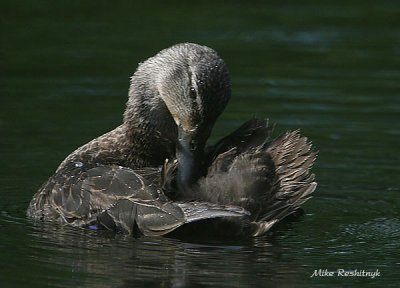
(184, 89)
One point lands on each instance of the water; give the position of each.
(330, 68)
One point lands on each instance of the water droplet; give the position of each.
(78, 164)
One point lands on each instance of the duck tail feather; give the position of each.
(293, 185)
(271, 180)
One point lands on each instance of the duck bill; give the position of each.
(189, 154)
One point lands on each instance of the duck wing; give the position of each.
(156, 218)
(269, 178)
(251, 134)
(76, 194)
(118, 198)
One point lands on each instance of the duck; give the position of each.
(155, 173)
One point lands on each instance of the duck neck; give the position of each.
(148, 147)
(148, 124)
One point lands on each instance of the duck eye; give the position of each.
(192, 93)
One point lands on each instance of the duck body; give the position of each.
(154, 173)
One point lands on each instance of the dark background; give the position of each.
(330, 68)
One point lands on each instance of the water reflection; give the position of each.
(116, 260)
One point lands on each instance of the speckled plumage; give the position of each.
(122, 181)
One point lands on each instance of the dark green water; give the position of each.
(330, 68)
